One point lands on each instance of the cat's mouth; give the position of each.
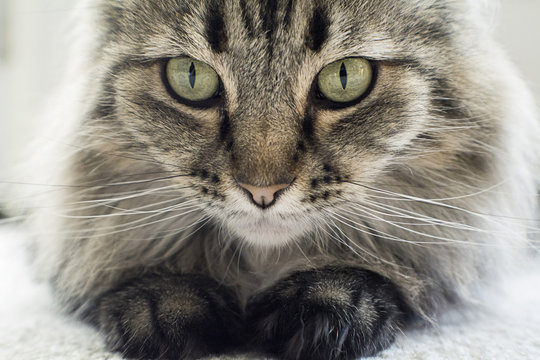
(264, 217)
(268, 230)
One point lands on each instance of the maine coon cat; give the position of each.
(298, 177)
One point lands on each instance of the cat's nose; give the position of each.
(264, 196)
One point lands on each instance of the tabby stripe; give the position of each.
(215, 27)
(318, 29)
(225, 126)
(445, 100)
(183, 119)
(268, 14)
(106, 107)
(308, 128)
(248, 21)
(288, 13)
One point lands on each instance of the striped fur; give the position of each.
(428, 182)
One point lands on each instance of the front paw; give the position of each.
(169, 317)
(331, 313)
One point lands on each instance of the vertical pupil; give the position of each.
(192, 74)
(343, 75)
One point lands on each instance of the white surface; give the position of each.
(31, 328)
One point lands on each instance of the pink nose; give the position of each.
(264, 196)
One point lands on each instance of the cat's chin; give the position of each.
(267, 232)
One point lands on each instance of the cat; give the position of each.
(300, 178)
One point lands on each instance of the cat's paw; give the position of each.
(169, 317)
(331, 313)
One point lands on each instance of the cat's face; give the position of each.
(267, 123)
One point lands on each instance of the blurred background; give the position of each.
(34, 42)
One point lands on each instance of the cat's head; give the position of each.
(279, 112)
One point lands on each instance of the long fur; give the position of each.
(429, 182)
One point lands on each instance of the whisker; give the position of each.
(123, 156)
(378, 233)
(129, 195)
(443, 240)
(345, 240)
(407, 214)
(434, 202)
(125, 227)
(198, 224)
(125, 212)
(98, 185)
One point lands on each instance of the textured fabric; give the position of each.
(31, 327)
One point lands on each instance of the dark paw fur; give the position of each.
(169, 317)
(332, 313)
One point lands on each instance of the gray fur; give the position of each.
(422, 182)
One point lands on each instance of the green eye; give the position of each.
(191, 79)
(345, 80)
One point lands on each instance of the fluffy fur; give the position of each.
(427, 184)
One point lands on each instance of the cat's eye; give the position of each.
(191, 79)
(345, 80)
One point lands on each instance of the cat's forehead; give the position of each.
(273, 28)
